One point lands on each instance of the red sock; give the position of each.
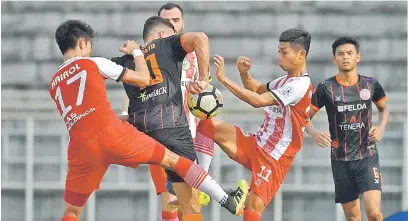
(169, 216)
(192, 217)
(191, 173)
(250, 215)
(68, 218)
(204, 141)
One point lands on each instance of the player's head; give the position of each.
(75, 36)
(346, 53)
(156, 27)
(294, 46)
(173, 13)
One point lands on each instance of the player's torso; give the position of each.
(159, 105)
(78, 89)
(282, 130)
(349, 110)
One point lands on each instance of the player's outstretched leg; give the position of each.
(198, 178)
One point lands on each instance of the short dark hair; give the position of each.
(153, 22)
(345, 40)
(69, 32)
(170, 6)
(297, 37)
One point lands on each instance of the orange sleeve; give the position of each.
(315, 107)
(381, 100)
(182, 43)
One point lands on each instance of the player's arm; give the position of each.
(321, 138)
(379, 98)
(124, 109)
(252, 98)
(140, 77)
(243, 66)
(197, 42)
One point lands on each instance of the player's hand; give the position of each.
(322, 139)
(196, 87)
(129, 46)
(376, 133)
(220, 72)
(243, 64)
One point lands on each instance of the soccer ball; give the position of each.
(207, 104)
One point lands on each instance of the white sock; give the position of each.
(204, 148)
(211, 187)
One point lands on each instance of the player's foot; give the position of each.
(236, 199)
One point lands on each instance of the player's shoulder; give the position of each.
(368, 79)
(327, 82)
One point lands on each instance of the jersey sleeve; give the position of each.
(292, 92)
(318, 97)
(177, 46)
(379, 93)
(110, 69)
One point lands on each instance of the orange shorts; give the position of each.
(267, 173)
(119, 143)
(159, 178)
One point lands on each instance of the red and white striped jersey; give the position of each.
(282, 130)
(189, 73)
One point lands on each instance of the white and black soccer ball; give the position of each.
(207, 104)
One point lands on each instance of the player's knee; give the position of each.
(71, 210)
(352, 217)
(169, 160)
(190, 208)
(206, 128)
(374, 215)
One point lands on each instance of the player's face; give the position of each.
(346, 57)
(175, 17)
(289, 57)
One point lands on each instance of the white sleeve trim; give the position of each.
(109, 69)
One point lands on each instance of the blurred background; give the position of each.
(34, 139)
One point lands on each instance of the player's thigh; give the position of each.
(188, 198)
(372, 202)
(86, 169)
(352, 210)
(225, 137)
(125, 145)
(346, 189)
(368, 174)
(267, 176)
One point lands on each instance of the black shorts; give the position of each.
(179, 141)
(352, 178)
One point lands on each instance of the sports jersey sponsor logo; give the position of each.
(365, 94)
(73, 118)
(351, 107)
(155, 93)
(353, 126)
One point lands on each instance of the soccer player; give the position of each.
(347, 97)
(269, 152)
(158, 109)
(174, 14)
(97, 137)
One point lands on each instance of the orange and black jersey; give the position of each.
(159, 105)
(349, 111)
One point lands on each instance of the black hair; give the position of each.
(169, 6)
(297, 37)
(69, 32)
(343, 41)
(153, 22)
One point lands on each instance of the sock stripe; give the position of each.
(200, 178)
(191, 175)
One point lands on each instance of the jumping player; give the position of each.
(269, 152)
(175, 15)
(158, 109)
(97, 137)
(348, 97)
